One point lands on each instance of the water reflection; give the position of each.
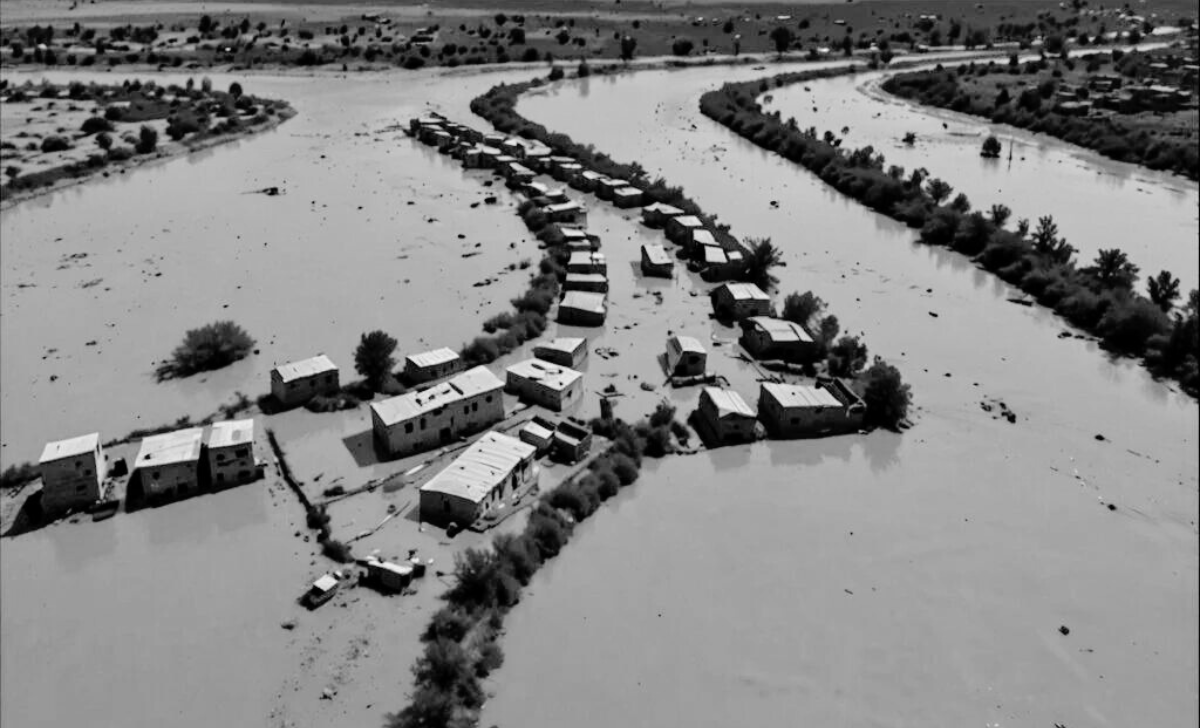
(882, 450)
(239, 508)
(729, 458)
(79, 544)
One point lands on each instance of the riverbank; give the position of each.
(1098, 298)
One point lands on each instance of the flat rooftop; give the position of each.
(550, 375)
(306, 368)
(181, 446)
(800, 396)
(483, 466)
(413, 404)
(73, 447)
(231, 432)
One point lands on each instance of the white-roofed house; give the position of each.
(73, 473)
(772, 338)
(231, 459)
(656, 261)
(587, 262)
(607, 186)
(657, 214)
(794, 410)
(596, 282)
(679, 229)
(569, 351)
(582, 308)
(700, 239)
(571, 212)
(739, 300)
(566, 171)
(416, 421)
(587, 180)
(549, 385)
(299, 381)
(725, 416)
(430, 365)
(685, 357)
(483, 479)
(168, 465)
(628, 196)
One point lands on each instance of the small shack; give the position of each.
(827, 408)
(725, 416)
(595, 282)
(430, 365)
(686, 357)
(299, 381)
(581, 308)
(607, 187)
(737, 301)
(552, 386)
(679, 229)
(657, 214)
(539, 433)
(587, 262)
(572, 212)
(587, 180)
(572, 441)
(656, 261)
(517, 174)
(566, 351)
(566, 172)
(488, 474)
(388, 576)
(627, 197)
(772, 338)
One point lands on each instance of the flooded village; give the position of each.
(531, 395)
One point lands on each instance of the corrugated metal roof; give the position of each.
(180, 446)
(703, 237)
(71, 447)
(432, 358)
(407, 406)
(482, 467)
(657, 255)
(746, 292)
(306, 368)
(780, 330)
(231, 432)
(584, 301)
(728, 402)
(550, 375)
(799, 396)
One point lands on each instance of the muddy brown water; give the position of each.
(976, 534)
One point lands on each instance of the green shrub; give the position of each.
(336, 550)
(55, 144)
(18, 475)
(886, 395)
(96, 124)
(209, 347)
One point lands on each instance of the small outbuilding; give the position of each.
(567, 352)
(679, 229)
(481, 480)
(772, 338)
(539, 433)
(430, 365)
(549, 385)
(388, 576)
(581, 308)
(657, 214)
(572, 212)
(725, 416)
(168, 465)
(656, 261)
(737, 301)
(587, 262)
(793, 410)
(627, 197)
(595, 282)
(296, 383)
(686, 357)
(73, 473)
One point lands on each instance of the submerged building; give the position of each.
(168, 465)
(299, 381)
(417, 421)
(489, 473)
(827, 408)
(549, 385)
(73, 473)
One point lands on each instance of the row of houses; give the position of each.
(168, 466)
(786, 411)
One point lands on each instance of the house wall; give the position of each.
(441, 426)
(443, 509)
(538, 393)
(577, 317)
(576, 217)
(420, 375)
(72, 482)
(175, 480)
(726, 305)
(729, 429)
(760, 344)
(231, 465)
(786, 423)
(299, 391)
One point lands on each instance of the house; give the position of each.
(517, 174)
(300, 381)
(485, 159)
(427, 133)
(587, 180)
(656, 261)
(1104, 83)
(430, 365)
(415, 124)
(416, 421)
(708, 256)
(626, 197)
(321, 591)
(549, 385)
(556, 162)
(569, 213)
(488, 474)
(388, 576)
(657, 214)
(700, 239)
(595, 282)
(168, 465)
(230, 452)
(579, 239)
(442, 140)
(793, 410)
(568, 352)
(534, 190)
(494, 139)
(739, 300)
(537, 157)
(513, 146)
(606, 187)
(679, 229)
(772, 338)
(685, 357)
(538, 432)
(566, 172)
(582, 261)
(725, 416)
(722, 267)
(73, 473)
(581, 308)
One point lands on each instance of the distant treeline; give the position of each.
(1099, 298)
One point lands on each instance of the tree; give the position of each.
(781, 36)
(1046, 234)
(206, 348)
(847, 357)
(373, 358)
(682, 46)
(991, 148)
(762, 258)
(829, 329)
(800, 308)
(960, 203)
(1112, 268)
(999, 215)
(938, 190)
(206, 85)
(147, 139)
(235, 90)
(886, 395)
(1164, 290)
(628, 46)
(104, 140)
(206, 25)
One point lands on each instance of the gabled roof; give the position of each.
(728, 402)
(432, 358)
(480, 468)
(584, 301)
(549, 375)
(73, 447)
(231, 432)
(407, 406)
(779, 330)
(181, 446)
(656, 254)
(745, 292)
(306, 368)
(798, 395)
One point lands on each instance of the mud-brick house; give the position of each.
(771, 338)
(656, 261)
(417, 421)
(168, 465)
(481, 480)
(415, 124)
(517, 174)
(581, 308)
(793, 410)
(230, 453)
(605, 188)
(679, 229)
(566, 172)
(686, 357)
(579, 239)
(740, 300)
(542, 383)
(594, 282)
(725, 416)
(587, 180)
(430, 365)
(555, 162)
(572, 212)
(73, 473)
(300, 381)
(568, 351)
(658, 214)
(587, 262)
(627, 197)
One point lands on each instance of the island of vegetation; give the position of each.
(54, 134)
(1132, 106)
(1099, 296)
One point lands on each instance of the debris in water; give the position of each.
(289, 624)
(1064, 629)
(1100, 437)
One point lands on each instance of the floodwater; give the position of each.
(915, 579)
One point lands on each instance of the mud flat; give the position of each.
(980, 538)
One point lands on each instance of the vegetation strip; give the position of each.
(1098, 298)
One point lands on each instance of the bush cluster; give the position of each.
(209, 347)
